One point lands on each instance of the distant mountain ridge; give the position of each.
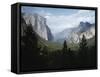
(73, 35)
(39, 25)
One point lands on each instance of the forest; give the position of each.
(35, 57)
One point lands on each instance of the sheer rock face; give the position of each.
(39, 25)
(74, 35)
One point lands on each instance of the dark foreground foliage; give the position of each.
(35, 58)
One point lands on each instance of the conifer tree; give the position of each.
(83, 44)
(64, 47)
(83, 51)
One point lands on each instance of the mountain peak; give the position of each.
(84, 24)
(75, 34)
(39, 25)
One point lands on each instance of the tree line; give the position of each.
(33, 56)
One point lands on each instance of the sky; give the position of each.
(59, 19)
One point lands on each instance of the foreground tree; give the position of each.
(83, 44)
(64, 47)
(83, 55)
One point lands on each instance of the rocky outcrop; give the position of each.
(74, 35)
(39, 25)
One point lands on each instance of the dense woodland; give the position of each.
(34, 56)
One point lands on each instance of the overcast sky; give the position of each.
(60, 19)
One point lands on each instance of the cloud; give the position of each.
(57, 23)
(60, 19)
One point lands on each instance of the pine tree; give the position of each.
(64, 47)
(83, 51)
(83, 44)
